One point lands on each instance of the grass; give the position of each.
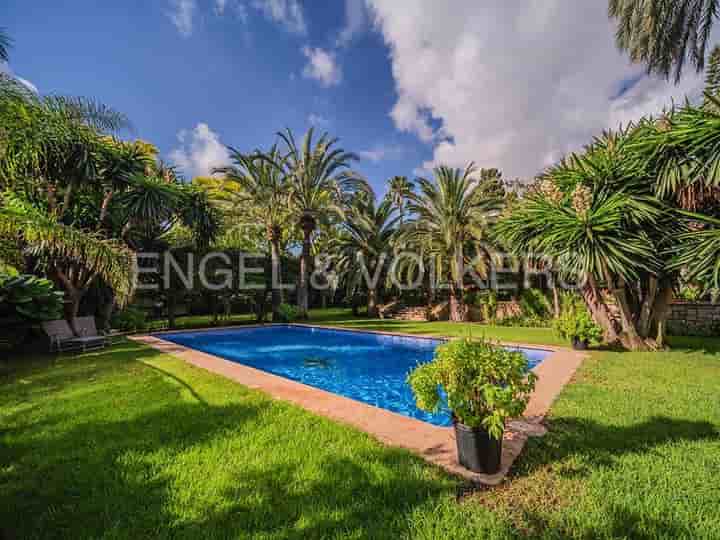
(129, 443)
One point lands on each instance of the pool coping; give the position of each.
(436, 444)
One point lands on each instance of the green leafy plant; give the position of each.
(29, 298)
(483, 384)
(534, 303)
(288, 313)
(129, 319)
(575, 323)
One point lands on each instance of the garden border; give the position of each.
(435, 444)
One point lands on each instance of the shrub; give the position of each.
(523, 321)
(129, 319)
(534, 303)
(482, 383)
(288, 313)
(575, 322)
(25, 297)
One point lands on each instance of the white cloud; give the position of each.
(200, 150)
(322, 66)
(356, 20)
(512, 84)
(286, 12)
(317, 120)
(379, 153)
(181, 15)
(7, 70)
(220, 6)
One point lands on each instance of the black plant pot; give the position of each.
(579, 344)
(477, 450)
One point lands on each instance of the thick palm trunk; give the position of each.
(599, 311)
(372, 308)
(308, 226)
(457, 306)
(72, 307)
(276, 278)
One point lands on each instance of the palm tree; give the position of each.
(260, 179)
(75, 258)
(5, 43)
(320, 179)
(665, 34)
(452, 212)
(399, 189)
(364, 248)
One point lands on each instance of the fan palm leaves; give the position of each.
(261, 180)
(320, 183)
(665, 34)
(452, 212)
(365, 247)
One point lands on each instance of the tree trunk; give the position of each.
(372, 309)
(457, 307)
(308, 226)
(106, 311)
(71, 308)
(599, 310)
(556, 300)
(276, 278)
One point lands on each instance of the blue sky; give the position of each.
(407, 84)
(242, 78)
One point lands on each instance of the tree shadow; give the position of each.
(599, 445)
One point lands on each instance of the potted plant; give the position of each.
(577, 326)
(483, 385)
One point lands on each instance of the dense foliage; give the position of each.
(483, 384)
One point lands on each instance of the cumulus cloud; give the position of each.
(511, 84)
(200, 150)
(181, 14)
(381, 152)
(322, 66)
(317, 120)
(289, 13)
(356, 20)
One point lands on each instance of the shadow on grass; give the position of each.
(192, 469)
(597, 445)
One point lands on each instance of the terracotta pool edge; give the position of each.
(434, 443)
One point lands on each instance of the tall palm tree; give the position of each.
(364, 248)
(320, 180)
(5, 43)
(260, 180)
(665, 34)
(451, 212)
(399, 189)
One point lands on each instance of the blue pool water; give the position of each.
(371, 368)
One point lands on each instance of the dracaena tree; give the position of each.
(320, 180)
(597, 215)
(364, 247)
(452, 216)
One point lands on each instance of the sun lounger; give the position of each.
(62, 338)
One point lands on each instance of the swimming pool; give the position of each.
(364, 366)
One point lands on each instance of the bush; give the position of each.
(534, 303)
(575, 322)
(288, 313)
(483, 384)
(129, 319)
(25, 297)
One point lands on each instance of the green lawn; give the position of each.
(132, 444)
